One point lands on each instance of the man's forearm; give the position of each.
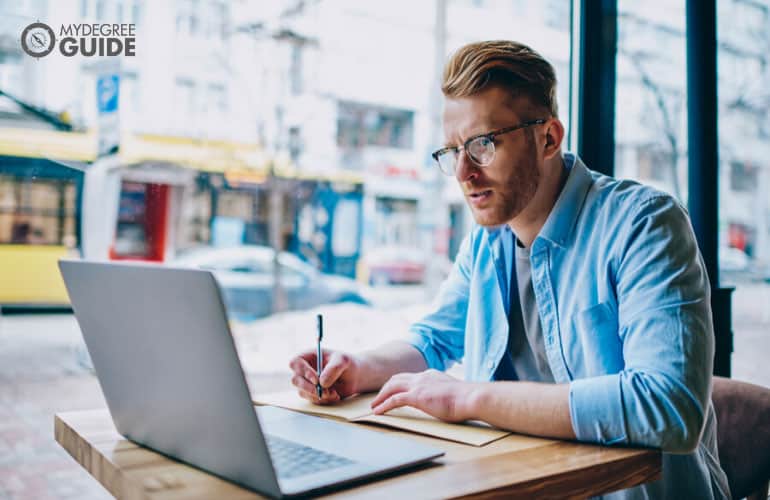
(377, 366)
(524, 407)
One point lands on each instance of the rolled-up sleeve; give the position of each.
(440, 335)
(660, 397)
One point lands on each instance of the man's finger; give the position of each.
(327, 396)
(391, 387)
(395, 401)
(302, 367)
(303, 384)
(330, 397)
(298, 363)
(308, 355)
(338, 363)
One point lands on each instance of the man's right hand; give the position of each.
(340, 376)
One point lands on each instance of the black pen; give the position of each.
(318, 364)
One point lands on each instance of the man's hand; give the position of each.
(340, 376)
(431, 391)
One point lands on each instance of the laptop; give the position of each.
(162, 349)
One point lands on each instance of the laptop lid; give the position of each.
(160, 344)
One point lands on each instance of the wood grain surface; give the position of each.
(514, 467)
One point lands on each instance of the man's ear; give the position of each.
(554, 134)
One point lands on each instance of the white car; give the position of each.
(245, 275)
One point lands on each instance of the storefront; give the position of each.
(171, 194)
(149, 201)
(329, 221)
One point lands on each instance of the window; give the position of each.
(306, 87)
(361, 125)
(743, 68)
(36, 211)
(654, 164)
(131, 238)
(651, 114)
(396, 222)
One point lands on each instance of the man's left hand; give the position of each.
(431, 391)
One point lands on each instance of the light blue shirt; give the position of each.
(624, 305)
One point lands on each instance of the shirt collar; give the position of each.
(560, 222)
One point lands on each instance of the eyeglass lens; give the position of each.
(481, 150)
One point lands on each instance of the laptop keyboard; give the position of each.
(292, 459)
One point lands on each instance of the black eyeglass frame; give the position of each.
(489, 135)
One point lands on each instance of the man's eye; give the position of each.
(479, 144)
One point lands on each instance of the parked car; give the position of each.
(395, 264)
(245, 275)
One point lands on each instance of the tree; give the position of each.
(669, 107)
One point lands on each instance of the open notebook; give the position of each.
(357, 409)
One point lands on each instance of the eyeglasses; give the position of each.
(480, 148)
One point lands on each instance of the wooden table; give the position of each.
(516, 466)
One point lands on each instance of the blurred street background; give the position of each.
(285, 146)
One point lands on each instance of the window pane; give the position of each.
(237, 117)
(305, 126)
(744, 179)
(744, 131)
(651, 107)
(36, 212)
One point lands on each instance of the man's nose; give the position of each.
(465, 169)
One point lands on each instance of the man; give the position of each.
(579, 304)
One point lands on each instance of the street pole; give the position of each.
(275, 224)
(102, 180)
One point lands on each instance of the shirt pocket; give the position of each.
(599, 342)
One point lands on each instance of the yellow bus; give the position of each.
(39, 224)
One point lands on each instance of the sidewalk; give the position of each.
(39, 375)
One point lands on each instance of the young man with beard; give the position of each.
(578, 303)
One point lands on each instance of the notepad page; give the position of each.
(357, 409)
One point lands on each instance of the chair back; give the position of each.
(743, 435)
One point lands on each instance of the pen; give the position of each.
(318, 366)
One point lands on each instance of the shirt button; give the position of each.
(490, 364)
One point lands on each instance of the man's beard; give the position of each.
(509, 199)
